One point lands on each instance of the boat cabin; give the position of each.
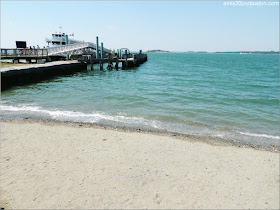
(57, 39)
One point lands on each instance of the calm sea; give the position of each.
(234, 96)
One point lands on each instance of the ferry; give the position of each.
(59, 39)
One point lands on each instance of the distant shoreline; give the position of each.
(237, 52)
(252, 52)
(229, 52)
(157, 51)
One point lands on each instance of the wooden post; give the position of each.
(101, 57)
(97, 48)
(126, 64)
(110, 65)
(117, 61)
(67, 57)
(101, 50)
(134, 60)
(91, 62)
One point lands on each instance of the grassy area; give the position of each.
(5, 63)
(9, 64)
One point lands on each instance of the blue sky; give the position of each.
(167, 25)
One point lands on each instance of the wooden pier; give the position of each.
(126, 60)
(88, 52)
(78, 56)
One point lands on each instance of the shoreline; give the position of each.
(48, 165)
(211, 140)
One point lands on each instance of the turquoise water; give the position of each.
(234, 96)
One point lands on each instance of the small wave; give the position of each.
(80, 116)
(260, 135)
(135, 122)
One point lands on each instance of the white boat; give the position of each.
(59, 39)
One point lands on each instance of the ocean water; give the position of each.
(233, 96)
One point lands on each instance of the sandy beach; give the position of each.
(66, 166)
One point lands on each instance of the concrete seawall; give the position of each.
(21, 75)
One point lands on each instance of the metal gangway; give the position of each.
(85, 48)
(73, 49)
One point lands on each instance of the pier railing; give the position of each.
(66, 48)
(18, 53)
(72, 48)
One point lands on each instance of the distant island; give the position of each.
(253, 52)
(238, 52)
(157, 51)
(227, 52)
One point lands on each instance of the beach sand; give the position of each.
(66, 166)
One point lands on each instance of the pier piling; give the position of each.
(91, 62)
(97, 48)
(101, 57)
(67, 42)
(117, 62)
(101, 50)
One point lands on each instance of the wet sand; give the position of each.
(70, 166)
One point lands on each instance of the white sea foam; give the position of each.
(80, 116)
(260, 135)
(96, 117)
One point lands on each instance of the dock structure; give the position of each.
(78, 57)
(27, 54)
(30, 73)
(126, 60)
(88, 52)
